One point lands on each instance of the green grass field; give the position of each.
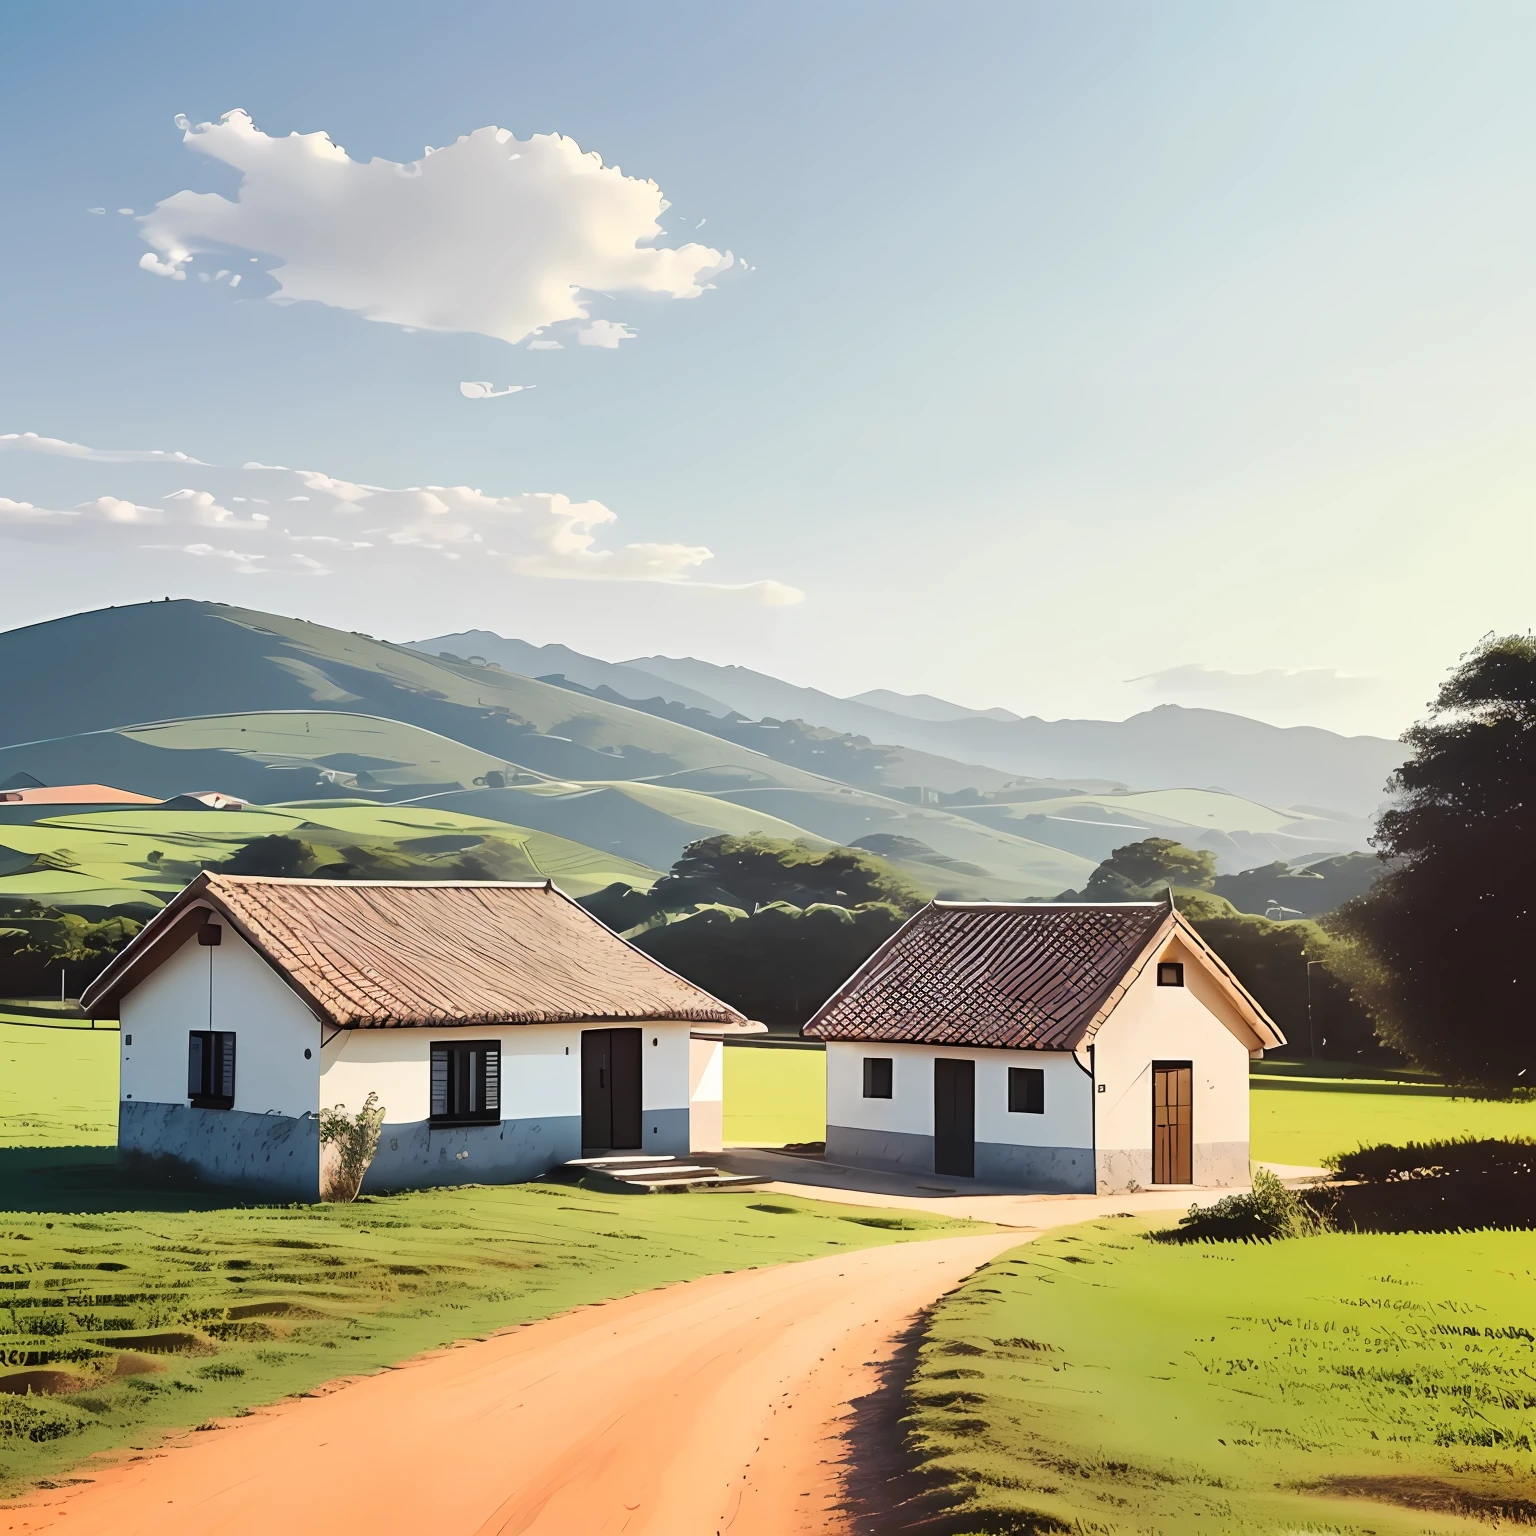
(1343, 1384)
(58, 1084)
(1300, 1120)
(775, 1094)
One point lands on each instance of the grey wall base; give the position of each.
(1043, 1170)
(1217, 1165)
(267, 1154)
(276, 1155)
(419, 1155)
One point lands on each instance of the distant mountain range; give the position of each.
(615, 767)
(1300, 767)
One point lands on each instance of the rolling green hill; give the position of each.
(190, 660)
(111, 858)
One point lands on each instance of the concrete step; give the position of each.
(645, 1174)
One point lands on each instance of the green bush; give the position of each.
(1263, 1213)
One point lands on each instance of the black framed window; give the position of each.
(877, 1077)
(466, 1081)
(1026, 1090)
(211, 1068)
(1170, 973)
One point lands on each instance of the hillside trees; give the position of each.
(770, 926)
(40, 943)
(1445, 942)
(1293, 969)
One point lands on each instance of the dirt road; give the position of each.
(712, 1407)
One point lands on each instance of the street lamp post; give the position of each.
(1311, 1026)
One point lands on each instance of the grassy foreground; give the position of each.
(118, 1325)
(1095, 1381)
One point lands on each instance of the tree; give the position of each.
(753, 870)
(1148, 868)
(1446, 940)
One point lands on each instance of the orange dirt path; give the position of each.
(711, 1407)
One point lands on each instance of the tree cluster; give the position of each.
(772, 927)
(1444, 944)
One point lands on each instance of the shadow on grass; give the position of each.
(77, 1181)
(884, 1493)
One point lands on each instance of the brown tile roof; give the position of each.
(1030, 976)
(387, 953)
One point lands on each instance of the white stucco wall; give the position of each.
(706, 1095)
(1067, 1121)
(224, 986)
(1195, 1023)
(540, 1068)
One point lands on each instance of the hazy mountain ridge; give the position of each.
(1165, 746)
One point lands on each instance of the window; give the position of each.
(1026, 1090)
(211, 1068)
(466, 1081)
(877, 1077)
(1170, 973)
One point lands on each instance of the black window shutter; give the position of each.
(491, 1097)
(441, 1064)
(226, 1060)
(197, 1045)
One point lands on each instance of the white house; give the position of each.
(504, 1029)
(1057, 1047)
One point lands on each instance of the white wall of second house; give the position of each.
(540, 1068)
(224, 986)
(1196, 1023)
(1067, 1121)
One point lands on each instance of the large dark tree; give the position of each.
(1447, 938)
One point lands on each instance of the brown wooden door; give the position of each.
(610, 1090)
(1173, 1125)
(954, 1117)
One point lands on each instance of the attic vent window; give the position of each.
(1170, 973)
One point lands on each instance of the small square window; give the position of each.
(1170, 973)
(211, 1068)
(466, 1082)
(1026, 1090)
(877, 1077)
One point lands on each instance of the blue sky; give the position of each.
(1087, 356)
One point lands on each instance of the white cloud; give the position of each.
(356, 526)
(546, 346)
(30, 442)
(483, 389)
(604, 333)
(490, 234)
(1281, 689)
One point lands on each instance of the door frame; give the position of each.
(1176, 1130)
(612, 1108)
(958, 1070)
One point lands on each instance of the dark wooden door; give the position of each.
(610, 1090)
(1173, 1124)
(954, 1117)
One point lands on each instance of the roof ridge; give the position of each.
(341, 885)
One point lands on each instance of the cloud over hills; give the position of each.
(269, 518)
(491, 234)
